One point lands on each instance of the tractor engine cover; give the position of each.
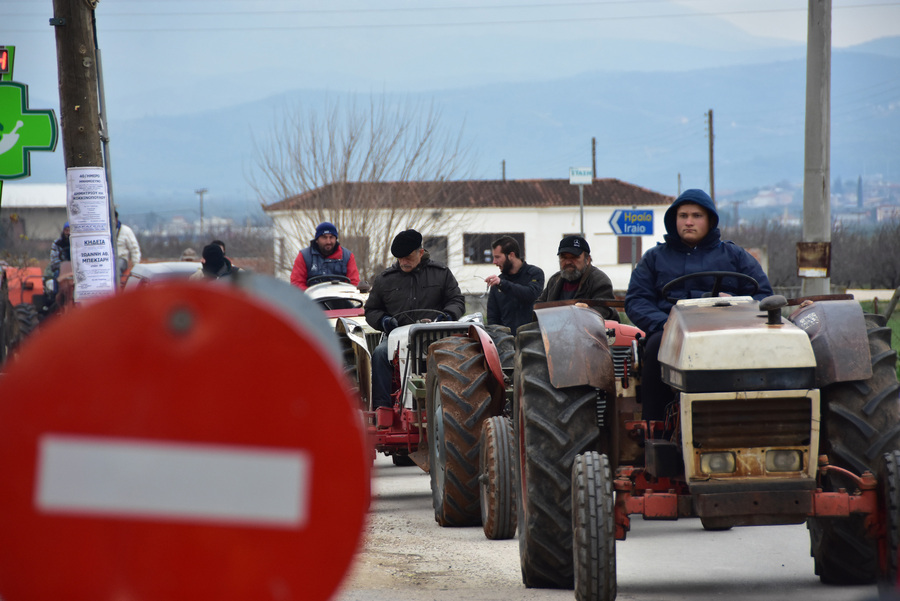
(725, 344)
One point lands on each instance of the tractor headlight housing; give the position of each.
(717, 463)
(784, 460)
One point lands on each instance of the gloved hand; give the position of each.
(442, 317)
(388, 323)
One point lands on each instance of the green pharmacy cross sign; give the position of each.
(22, 130)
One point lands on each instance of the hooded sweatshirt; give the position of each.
(645, 305)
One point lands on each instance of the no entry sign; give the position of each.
(184, 441)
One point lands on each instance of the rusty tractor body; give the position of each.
(450, 378)
(774, 421)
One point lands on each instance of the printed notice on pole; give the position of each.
(94, 267)
(87, 200)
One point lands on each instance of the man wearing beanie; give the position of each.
(323, 257)
(415, 288)
(692, 244)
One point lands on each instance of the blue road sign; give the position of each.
(632, 222)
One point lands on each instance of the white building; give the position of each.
(36, 211)
(460, 220)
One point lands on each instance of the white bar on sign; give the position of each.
(173, 481)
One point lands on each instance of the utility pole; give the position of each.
(712, 171)
(78, 103)
(814, 253)
(200, 192)
(86, 182)
(594, 156)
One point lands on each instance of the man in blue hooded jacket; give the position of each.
(692, 244)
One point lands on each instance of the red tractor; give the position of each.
(775, 421)
(21, 294)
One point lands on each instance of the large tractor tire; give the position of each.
(552, 427)
(860, 423)
(496, 480)
(505, 343)
(594, 524)
(19, 323)
(458, 402)
(889, 504)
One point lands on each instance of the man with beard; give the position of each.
(512, 293)
(577, 278)
(324, 256)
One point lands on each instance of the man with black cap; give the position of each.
(692, 244)
(324, 256)
(577, 278)
(413, 289)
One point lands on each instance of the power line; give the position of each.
(347, 26)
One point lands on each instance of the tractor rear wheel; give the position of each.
(458, 401)
(496, 482)
(552, 427)
(889, 502)
(594, 524)
(505, 343)
(860, 423)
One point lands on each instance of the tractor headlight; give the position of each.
(717, 463)
(784, 461)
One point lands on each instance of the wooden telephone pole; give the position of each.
(78, 96)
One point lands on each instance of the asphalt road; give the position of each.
(408, 557)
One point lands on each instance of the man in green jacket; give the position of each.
(413, 289)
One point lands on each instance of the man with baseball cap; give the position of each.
(577, 278)
(413, 289)
(323, 257)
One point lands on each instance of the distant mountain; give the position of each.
(650, 127)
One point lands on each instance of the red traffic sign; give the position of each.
(183, 441)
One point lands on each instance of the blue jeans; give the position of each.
(382, 374)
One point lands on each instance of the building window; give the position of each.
(436, 247)
(625, 249)
(477, 247)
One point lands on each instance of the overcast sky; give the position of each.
(403, 45)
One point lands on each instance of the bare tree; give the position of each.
(370, 170)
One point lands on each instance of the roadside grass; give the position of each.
(893, 323)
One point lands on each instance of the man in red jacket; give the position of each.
(323, 257)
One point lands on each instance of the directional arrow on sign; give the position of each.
(632, 222)
(22, 130)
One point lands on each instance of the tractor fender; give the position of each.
(494, 369)
(577, 347)
(354, 333)
(837, 332)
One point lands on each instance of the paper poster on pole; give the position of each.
(93, 263)
(87, 200)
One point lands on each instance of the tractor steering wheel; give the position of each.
(327, 277)
(717, 285)
(436, 312)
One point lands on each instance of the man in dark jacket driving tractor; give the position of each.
(413, 289)
(692, 244)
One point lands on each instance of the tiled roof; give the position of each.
(479, 194)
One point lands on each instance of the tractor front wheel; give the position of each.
(458, 401)
(498, 490)
(594, 525)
